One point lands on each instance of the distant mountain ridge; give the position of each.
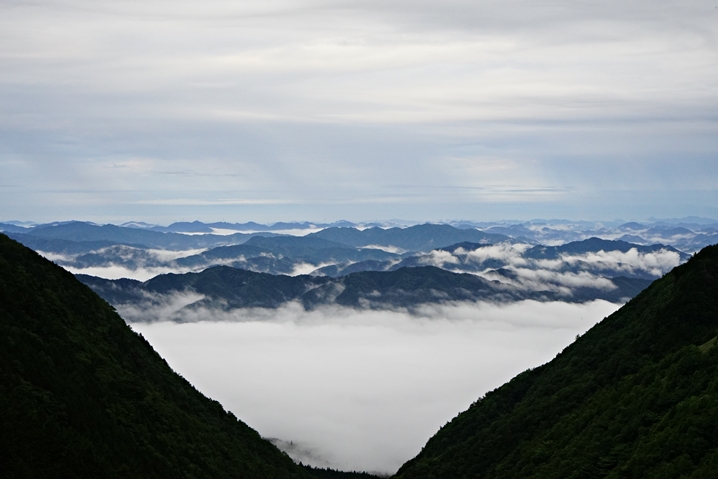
(592, 245)
(227, 288)
(423, 237)
(82, 232)
(686, 234)
(574, 271)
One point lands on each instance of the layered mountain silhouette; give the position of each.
(634, 397)
(687, 234)
(414, 238)
(575, 271)
(82, 395)
(224, 287)
(55, 237)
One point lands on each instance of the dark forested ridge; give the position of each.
(328, 473)
(635, 397)
(82, 395)
(228, 288)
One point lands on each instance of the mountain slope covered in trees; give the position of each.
(634, 397)
(82, 395)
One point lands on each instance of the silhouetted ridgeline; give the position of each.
(82, 395)
(225, 287)
(328, 473)
(635, 397)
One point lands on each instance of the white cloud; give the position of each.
(511, 253)
(159, 307)
(117, 272)
(56, 257)
(388, 249)
(656, 263)
(551, 274)
(438, 258)
(169, 255)
(306, 268)
(363, 390)
(543, 279)
(134, 263)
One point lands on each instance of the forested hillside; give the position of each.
(82, 395)
(635, 397)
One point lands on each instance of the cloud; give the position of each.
(118, 272)
(307, 268)
(169, 255)
(120, 261)
(511, 253)
(363, 390)
(161, 307)
(438, 258)
(388, 249)
(363, 110)
(656, 263)
(543, 279)
(504, 262)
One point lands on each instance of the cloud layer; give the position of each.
(323, 110)
(508, 263)
(363, 390)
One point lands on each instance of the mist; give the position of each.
(363, 390)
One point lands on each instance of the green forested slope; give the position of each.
(635, 397)
(81, 395)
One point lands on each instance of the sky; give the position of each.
(426, 111)
(357, 389)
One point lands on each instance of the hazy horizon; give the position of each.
(366, 221)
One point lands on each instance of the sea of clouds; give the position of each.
(362, 390)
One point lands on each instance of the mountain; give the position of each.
(414, 238)
(590, 259)
(227, 288)
(60, 246)
(282, 255)
(185, 227)
(141, 250)
(199, 227)
(82, 395)
(323, 473)
(316, 250)
(79, 231)
(634, 397)
(594, 245)
(11, 228)
(575, 271)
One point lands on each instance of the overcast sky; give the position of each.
(421, 110)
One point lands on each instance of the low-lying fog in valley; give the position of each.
(363, 390)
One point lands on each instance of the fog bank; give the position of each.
(363, 390)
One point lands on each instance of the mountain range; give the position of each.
(516, 268)
(81, 395)
(686, 234)
(227, 288)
